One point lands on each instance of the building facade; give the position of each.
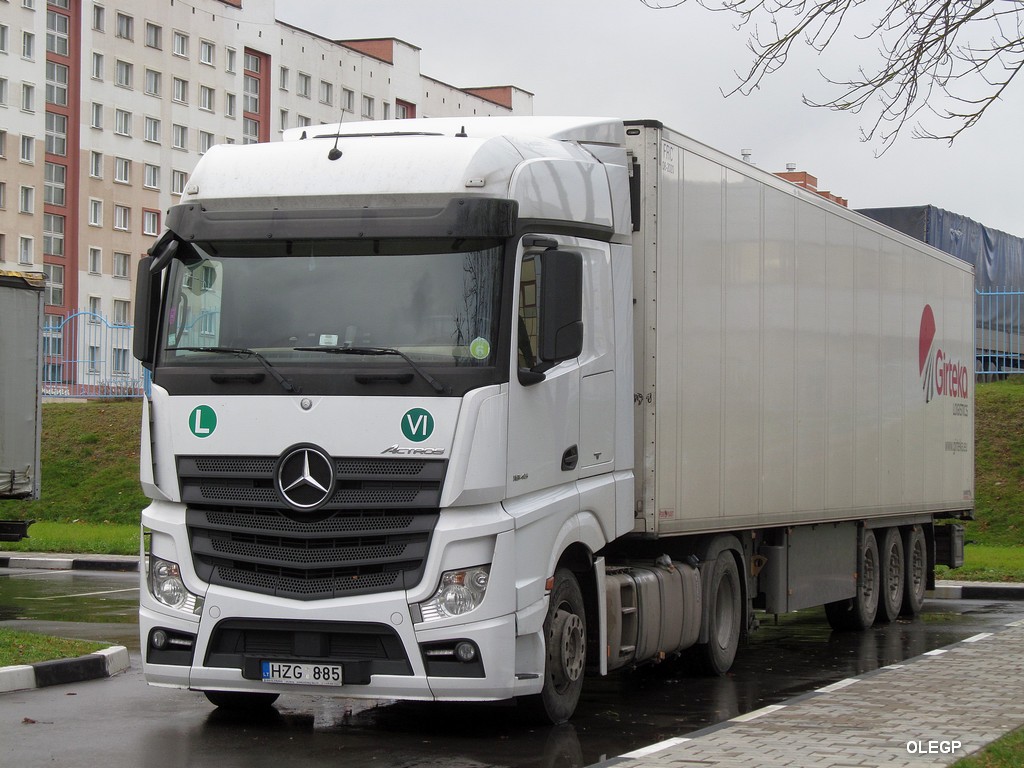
(106, 106)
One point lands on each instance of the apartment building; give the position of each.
(105, 108)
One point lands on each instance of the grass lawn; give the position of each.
(17, 647)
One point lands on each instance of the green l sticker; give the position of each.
(417, 425)
(202, 421)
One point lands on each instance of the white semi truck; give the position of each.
(469, 409)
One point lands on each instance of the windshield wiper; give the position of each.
(437, 386)
(241, 352)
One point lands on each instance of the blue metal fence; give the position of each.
(998, 328)
(86, 355)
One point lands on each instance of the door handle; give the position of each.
(570, 458)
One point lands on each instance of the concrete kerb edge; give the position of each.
(55, 562)
(103, 663)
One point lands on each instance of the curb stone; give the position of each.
(103, 663)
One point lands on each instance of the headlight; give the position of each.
(459, 592)
(166, 586)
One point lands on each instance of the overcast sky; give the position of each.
(619, 58)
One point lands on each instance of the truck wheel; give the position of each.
(892, 575)
(859, 611)
(725, 615)
(236, 701)
(915, 556)
(565, 638)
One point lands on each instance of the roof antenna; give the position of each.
(462, 133)
(335, 153)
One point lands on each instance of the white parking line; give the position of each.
(81, 594)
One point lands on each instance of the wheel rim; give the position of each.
(917, 567)
(569, 648)
(725, 603)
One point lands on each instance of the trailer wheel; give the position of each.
(565, 639)
(915, 554)
(859, 611)
(237, 701)
(892, 576)
(725, 615)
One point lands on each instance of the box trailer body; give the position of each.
(432, 397)
(21, 322)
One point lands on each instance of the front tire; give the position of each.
(565, 640)
(725, 615)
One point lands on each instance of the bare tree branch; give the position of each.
(937, 61)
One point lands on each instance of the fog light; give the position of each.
(158, 639)
(465, 652)
(458, 593)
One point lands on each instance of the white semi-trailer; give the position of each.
(466, 409)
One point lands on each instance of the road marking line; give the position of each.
(81, 594)
(976, 638)
(838, 685)
(936, 652)
(758, 713)
(645, 751)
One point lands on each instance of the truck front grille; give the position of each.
(372, 536)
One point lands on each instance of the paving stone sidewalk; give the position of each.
(928, 711)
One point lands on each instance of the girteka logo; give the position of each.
(940, 376)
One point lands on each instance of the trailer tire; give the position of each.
(238, 701)
(892, 576)
(915, 555)
(725, 615)
(859, 611)
(565, 642)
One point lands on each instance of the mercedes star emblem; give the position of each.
(305, 477)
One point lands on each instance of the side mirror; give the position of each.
(561, 306)
(147, 307)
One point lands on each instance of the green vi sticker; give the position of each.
(417, 425)
(202, 421)
(480, 348)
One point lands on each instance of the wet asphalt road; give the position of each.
(123, 722)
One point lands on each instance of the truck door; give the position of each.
(544, 391)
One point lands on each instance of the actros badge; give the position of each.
(305, 477)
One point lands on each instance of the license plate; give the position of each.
(301, 674)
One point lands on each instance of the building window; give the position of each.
(122, 218)
(179, 136)
(154, 36)
(122, 262)
(96, 165)
(180, 94)
(53, 234)
(251, 96)
(122, 122)
(97, 66)
(122, 170)
(94, 359)
(5, 35)
(56, 134)
(304, 84)
(152, 82)
(123, 74)
(206, 98)
(386, 108)
(282, 81)
(205, 142)
(284, 119)
(28, 46)
(3, 204)
(95, 261)
(150, 222)
(180, 44)
(57, 33)
(152, 129)
(54, 292)
(326, 92)
(206, 52)
(229, 65)
(26, 252)
(302, 121)
(230, 104)
(250, 131)
(28, 97)
(152, 177)
(3, 91)
(120, 314)
(28, 149)
(55, 184)
(96, 121)
(119, 363)
(99, 17)
(95, 218)
(348, 100)
(178, 179)
(367, 107)
(125, 27)
(27, 200)
(95, 310)
(53, 338)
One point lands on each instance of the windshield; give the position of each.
(435, 302)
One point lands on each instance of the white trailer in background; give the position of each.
(21, 322)
(465, 409)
